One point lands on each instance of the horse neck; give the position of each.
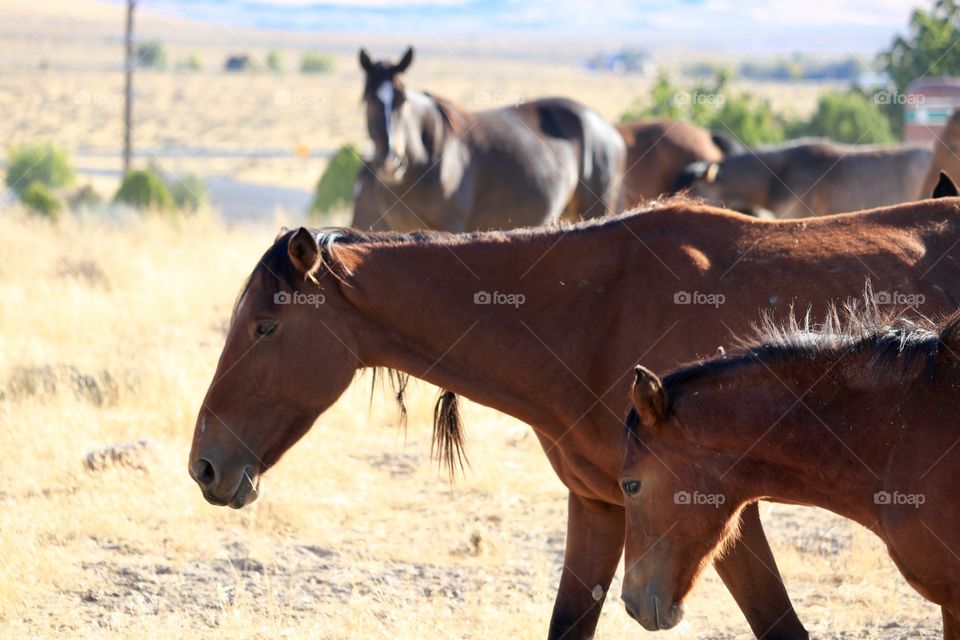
(780, 438)
(429, 317)
(425, 118)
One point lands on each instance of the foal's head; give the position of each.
(290, 352)
(385, 96)
(678, 514)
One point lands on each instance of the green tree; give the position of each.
(713, 106)
(928, 49)
(751, 120)
(852, 117)
(47, 164)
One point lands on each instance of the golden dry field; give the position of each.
(110, 330)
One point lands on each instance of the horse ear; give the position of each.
(304, 251)
(649, 397)
(365, 62)
(945, 187)
(405, 61)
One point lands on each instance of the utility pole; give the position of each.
(129, 64)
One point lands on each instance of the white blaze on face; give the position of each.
(385, 94)
(240, 304)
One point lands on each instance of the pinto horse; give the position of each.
(668, 284)
(442, 167)
(858, 417)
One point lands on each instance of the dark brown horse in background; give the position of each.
(546, 325)
(858, 417)
(442, 167)
(813, 177)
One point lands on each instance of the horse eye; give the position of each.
(630, 487)
(265, 328)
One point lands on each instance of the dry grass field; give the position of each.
(111, 331)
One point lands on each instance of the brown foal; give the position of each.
(859, 418)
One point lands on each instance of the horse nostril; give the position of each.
(204, 473)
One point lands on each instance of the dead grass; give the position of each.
(357, 534)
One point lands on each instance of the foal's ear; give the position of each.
(365, 62)
(304, 251)
(945, 187)
(649, 397)
(405, 61)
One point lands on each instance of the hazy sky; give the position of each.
(740, 25)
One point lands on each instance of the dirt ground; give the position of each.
(110, 334)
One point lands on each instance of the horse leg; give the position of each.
(750, 573)
(951, 625)
(594, 545)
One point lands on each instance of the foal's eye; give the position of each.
(630, 487)
(265, 329)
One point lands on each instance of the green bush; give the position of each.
(274, 61)
(144, 189)
(152, 55)
(39, 199)
(851, 117)
(47, 164)
(189, 192)
(85, 196)
(335, 187)
(192, 63)
(314, 62)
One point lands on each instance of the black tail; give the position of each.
(447, 445)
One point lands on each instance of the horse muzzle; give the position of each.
(393, 168)
(652, 614)
(221, 487)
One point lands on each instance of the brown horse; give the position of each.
(858, 417)
(946, 154)
(658, 151)
(811, 178)
(442, 167)
(546, 324)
